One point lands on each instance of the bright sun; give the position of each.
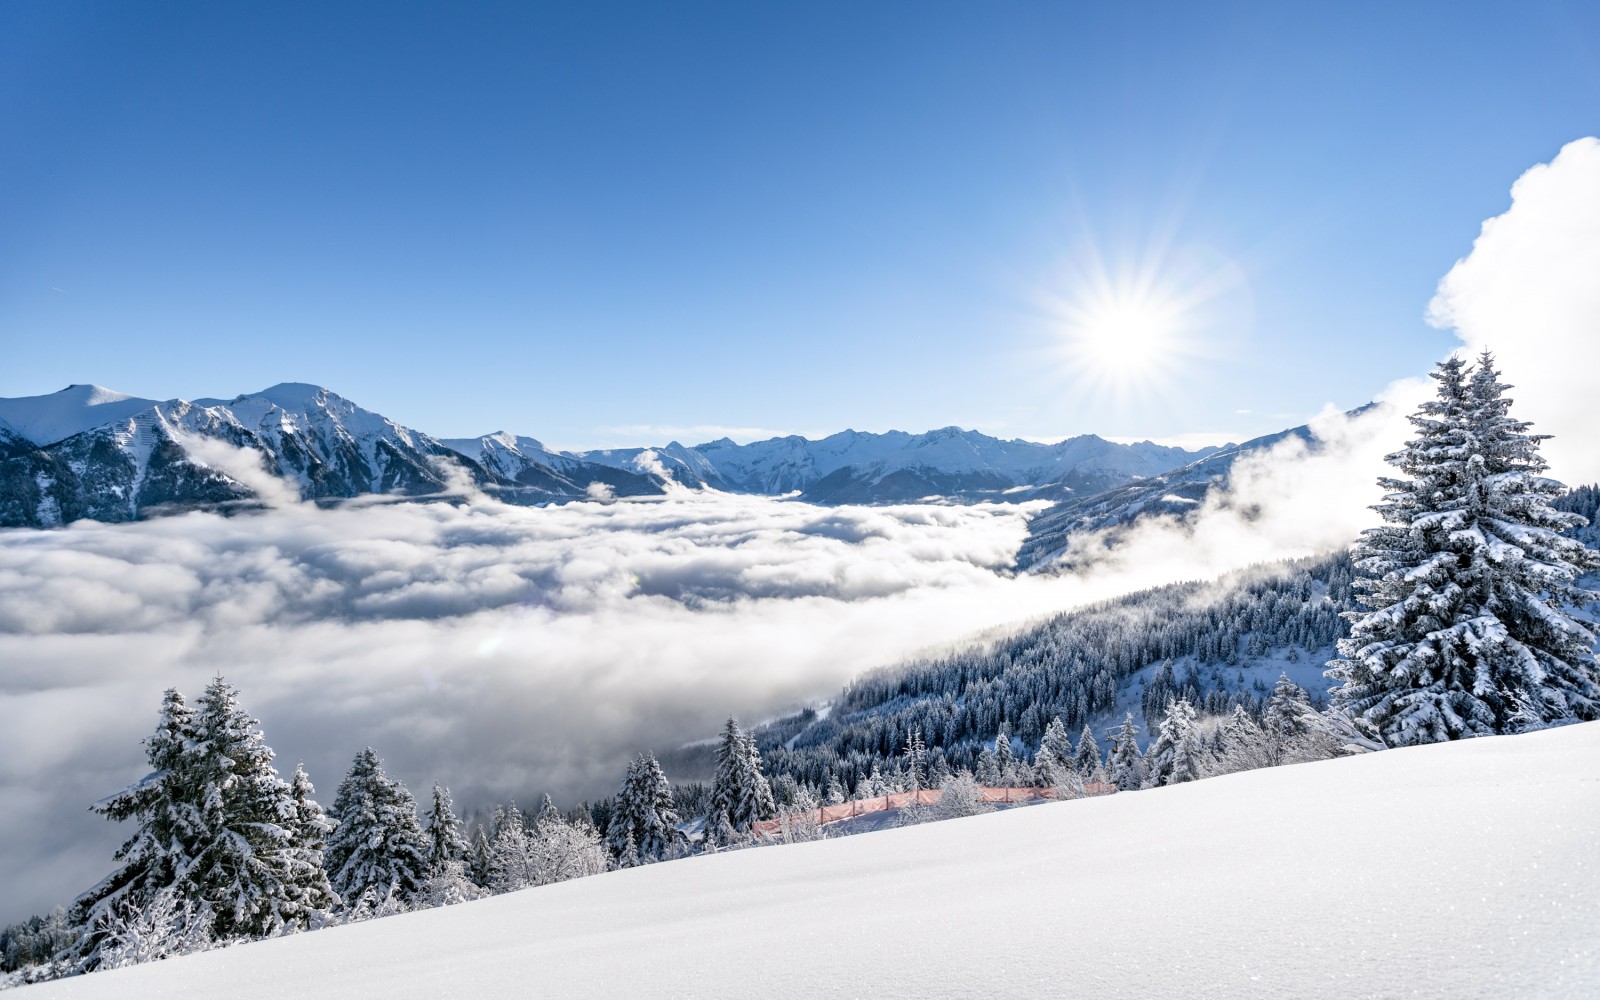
(1127, 338)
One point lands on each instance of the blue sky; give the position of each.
(607, 223)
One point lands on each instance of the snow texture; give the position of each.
(1479, 881)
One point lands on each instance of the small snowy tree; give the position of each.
(959, 796)
(167, 926)
(643, 819)
(1003, 759)
(1086, 761)
(511, 855)
(445, 842)
(916, 761)
(1054, 756)
(1174, 755)
(835, 793)
(1126, 769)
(377, 846)
(1471, 581)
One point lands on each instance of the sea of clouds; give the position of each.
(508, 651)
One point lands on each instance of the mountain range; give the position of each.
(90, 452)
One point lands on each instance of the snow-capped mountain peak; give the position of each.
(44, 420)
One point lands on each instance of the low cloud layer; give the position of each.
(1530, 292)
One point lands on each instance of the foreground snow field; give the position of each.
(1464, 870)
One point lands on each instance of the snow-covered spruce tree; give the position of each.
(445, 842)
(643, 819)
(163, 847)
(1055, 755)
(1086, 761)
(377, 847)
(1471, 581)
(478, 863)
(1126, 768)
(1174, 755)
(252, 866)
(916, 761)
(738, 786)
(1003, 760)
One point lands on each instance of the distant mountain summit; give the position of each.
(859, 467)
(91, 452)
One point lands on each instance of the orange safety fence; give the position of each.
(925, 797)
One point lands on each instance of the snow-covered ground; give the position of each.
(1464, 870)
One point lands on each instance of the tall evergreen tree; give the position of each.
(165, 842)
(1471, 581)
(377, 845)
(738, 787)
(252, 868)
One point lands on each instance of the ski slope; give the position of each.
(1464, 870)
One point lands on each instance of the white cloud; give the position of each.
(1530, 292)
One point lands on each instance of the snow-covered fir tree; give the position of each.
(445, 842)
(1241, 745)
(1471, 581)
(377, 847)
(1174, 755)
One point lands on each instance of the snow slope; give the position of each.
(1462, 870)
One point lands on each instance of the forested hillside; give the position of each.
(1217, 644)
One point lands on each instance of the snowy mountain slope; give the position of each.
(857, 467)
(87, 452)
(1175, 491)
(1455, 870)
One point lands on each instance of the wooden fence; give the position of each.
(925, 797)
